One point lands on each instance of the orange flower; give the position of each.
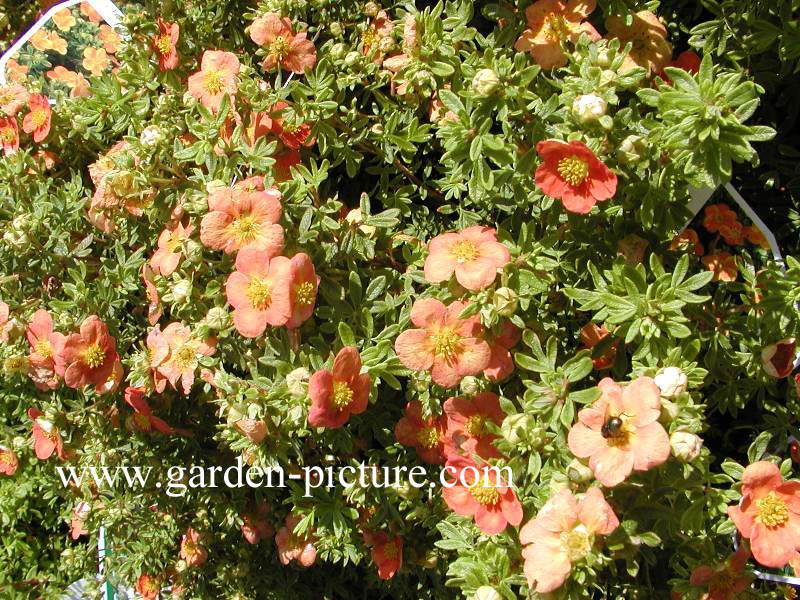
(723, 265)
(552, 22)
(218, 75)
(688, 238)
(481, 493)
(37, 121)
(292, 546)
(157, 353)
(717, 216)
(473, 254)
(110, 38)
(769, 514)
(303, 282)
(170, 247)
(573, 174)
(165, 44)
(258, 291)
(46, 437)
(12, 98)
(184, 353)
(90, 355)
(64, 19)
(637, 442)
(9, 135)
(41, 40)
(337, 394)
(16, 72)
(47, 346)
(9, 461)
(756, 236)
(426, 435)
(192, 550)
(501, 364)
(80, 87)
(591, 336)
(563, 533)
(77, 523)
(90, 13)
(466, 425)
(448, 346)
(95, 60)
(61, 73)
(292, 51)
(387, 553)
(148, 587)
(57, 43)
(727, 581)
(254, 430)
(238, 219)
(650, 48)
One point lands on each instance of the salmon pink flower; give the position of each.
(77, 524)
(591, 336)
(154, 308)
(192, 550)
(338, 394)
(380, 29)
(723, 265)
(303, 282)
(255, 526)
(292, 546)
(387, 553)
(562, 534)
(218, 75)
(16, 72)
(238, 219)
(650, 48)
(769, 514)
(170, 248)
(473, 254)
(573, 174)
(778, 358)
(501, 364)
(639, 443)
(9, 135)
(551, 23)
(47, 346)
(157, 352)
(426, 435)
(727, 581)
(255, 430)
(143, 419)
(259, 291)
(110, 385)
(37, 121)
(64, 20)
(450, 347)
(687, 239)
(9, 461)
(12, 98)
(466, 425)
(184, 353)
(165, 44)
(88, 11)
(481, 493)
(89, 356)
(292, 51)
(148, 587)
(46, 437)
(110, 38)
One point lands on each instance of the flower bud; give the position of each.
(352, 58)
(296, 382)
(470, 385)
(579, 472)
(335, 29)
(338, 50)
(217, 318)
(485, 83)
(151, 135)
(778, 358)
(505, 300)
(405, 490)
(354, 217)
(516, 428)
(371, 9)
(181, 290)
(671, 381)
(486, 592)
(603, 58)
(631, 150)
(588, 108)
(685, 446)
(19, 442)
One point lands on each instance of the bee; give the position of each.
(612, 426)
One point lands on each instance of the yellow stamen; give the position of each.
(576, 543)
(446, 343)
(342, 395)
(476, 426)
(39, 117)
(772, 510)
(428, 437)
(244, 229)
(43, 348)
(485, 494)
(94, 356)
(164, 44)
(185, 356)
(259, 292)
(7, 135)
(279, 48)
(304, 294)
(464, 251)
(212, 81)
(573, 170)
(390, 550)
(556, 28)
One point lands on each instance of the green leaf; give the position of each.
(759, 446)
(346, 334)
(451, 101)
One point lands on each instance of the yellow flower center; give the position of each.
(213, 82)
(39, 117)
(446, 343)
(464, 251)
(342, 395)
(6, 95)
(174, 242)
(6, 457)
(556, 28)
(164, 44)
(43, 348)
(94, 356)
(390, 550)
(772, 510)
(259, 292)
(7, 135)
(573, 170)
(486, 495)
(428, 437)
(245, 229)
(368, 38)
(185, 356)
(576, 543)
(15, 364)
(304, 293)
(279, 48)
(476, 426)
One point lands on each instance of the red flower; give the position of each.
(282, 169)
(426, 435)
(481, 493)
(387, 553)
(9, 461)
(148, 587)
(9, 135)
(337, 395)
(303, 282)
(501, 365)
(46, 438)
(727, 581)
(293, 547)
(687, 60)
(292, 51)
(143, 419)
(466, 425)
(37, 122)
(573, 174)
(165, 44)
(192, 551)
(90, 355)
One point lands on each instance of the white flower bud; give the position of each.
(338, 50)
(151, 135)
(515, 428)
(335, 29)
(371, 9)
(217, 318)
(181, 290)
(588, 108)
(685, 446)
(631, 150)
(485, 82)
(470, 385)
(486, 592)
(296, 382)
(579, 472)
(671, 381)
(505, 300)
(352, 58)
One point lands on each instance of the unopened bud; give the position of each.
(588, 108)
(352, 58)
(485, 82)
(685, 446)
(579, 472)
(181, 290)
(193, 250)
(371, 9)
(217, 318)
(296, 381)
(505, 300)
(631, 150)
(151, 135)
(338, 50)
(470, 385)
(486, 592)
(517, 428)
(335, 29)
(671, 381)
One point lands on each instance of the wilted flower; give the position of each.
(632, 248)
(192, 550)
(37, 121)
(778, 358)
(291, 50)
(726, 581)
(337, 394)
(573, 174)
(446, 345)
(89, 356)
(638, 443)
(467, 433)
(650, 48)
(165, 44)
(218, 76)
(255, 526)
(259, 291)
(591, 335)
(293, 547)
(672, 381)
(563, 533)
(769, 514)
